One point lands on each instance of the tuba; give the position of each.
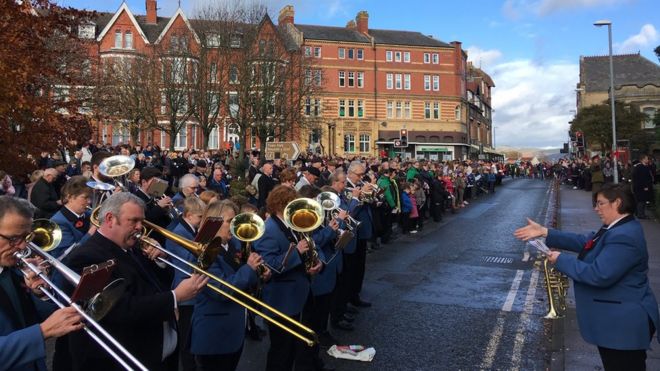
(304, 215)
(248, 227)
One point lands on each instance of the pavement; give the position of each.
(578, 216)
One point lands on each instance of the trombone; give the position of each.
(248, 227)
(49, 235)
(200, 251)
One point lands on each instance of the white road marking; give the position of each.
(524, 324)
(508, 303)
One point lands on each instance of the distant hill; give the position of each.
(540, 153)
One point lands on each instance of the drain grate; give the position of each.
(497, 259)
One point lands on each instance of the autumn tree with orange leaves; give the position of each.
(40, 64)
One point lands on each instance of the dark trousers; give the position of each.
(340, 296)
(386, 220)
(185, 318)
(315, 315)
(283, 348)
(218, 362)
(358, 268)
(623, 360)
(436, 211)
(405, 222)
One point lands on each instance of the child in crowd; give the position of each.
(406, 207)
(420, 202)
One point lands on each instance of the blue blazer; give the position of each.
(324, 282)
(70, 234)
(22, 348)
(361, 213)
(352, 246)
(218, 324)
(182, 230)
(613, 299)
(286, 291)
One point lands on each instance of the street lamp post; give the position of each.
(614, 147)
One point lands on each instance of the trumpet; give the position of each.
(45, 236)
(330, 203)
(199, 250)
(248, 227)
(556, 285)
(304, 215)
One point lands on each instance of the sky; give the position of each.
(531, 48)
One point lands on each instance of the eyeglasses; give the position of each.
(601, 203)
(16, 240)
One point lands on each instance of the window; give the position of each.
(351, 108)
(128, 40)
(182, 138)
(397, 56)
(213, 99)
(86, 31)
(233, 104)
(436, 83)
(406, 57)
(650, 112)
(436, 58)
(308, 77)
(178, 71)
(407, 111)
(427, 57)
(427, 82)
(317, 52)
(390, 81)
(341, 53)
(163, 139)
(342, 108)
(262, 47)
(312, 107)
(406, 81)
(86, 68)
(120, 134)
(360, 108)
(233, 74)
(436, 110)
(235, 41)
(351, 53)
(457, 113)
(360, 79)
(163, 104)
(213, 138)
(365, 141)
(427, 110)
(213, 73)
(360, 54)
(213, 40)
(388, 56)
(118, 39)
(397, 81)
(318, 77)
(351, 79)
(342, 78)
(308, 51)
(399, 113)
(349, 143)
(390, 109)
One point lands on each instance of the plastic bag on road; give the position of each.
(352, 352)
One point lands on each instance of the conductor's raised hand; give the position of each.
(530, 231)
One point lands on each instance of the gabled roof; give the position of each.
(123, 7)
(629, 69)
(180, 13)
(389, 37)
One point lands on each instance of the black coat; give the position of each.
(44, 198)
(641, 178)
(266, 184)
(438, 192)
(136, 320)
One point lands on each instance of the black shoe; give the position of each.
(343, 325)
(255, 333)
(361, 303)
(327, 340)
(348, 318)
(352, 309)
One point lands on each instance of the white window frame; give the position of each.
(351, 108)
(427, 58)
(457, 113)
(390, 81)
(406, 57)
(214, 138)
(398, 81)
(318, 77)
(351, 79)
(436, 58)
(163, 139)
(436, 110)
(341, 53)
(436, 83)
(119, 39)
(128, 40)
(427, 82)
(365, 142)
(341, 104)
(407, 110)
(342, 79)
(427, 110)
(388, 56)
(406, 81)
(181, 138)
(163, 103)
(397, 56)
(317, 52)
(308, 51)
(193, 129)
(350, 53)
(359, 54)
(360, 79)
(390, 109)
(399, 110)
(360, 108)
(349, 139)
(120, 134)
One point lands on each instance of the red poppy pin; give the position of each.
(589, 245)
(79, 224)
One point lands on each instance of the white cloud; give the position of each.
(532, 102)
(483, 58)
(646, 37)
(515, 9)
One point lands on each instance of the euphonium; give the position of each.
(248, 227)
(304, 215)
(117, 167)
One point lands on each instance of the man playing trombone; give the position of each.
(143, 319)
(22, 335)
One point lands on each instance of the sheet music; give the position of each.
(539, 245)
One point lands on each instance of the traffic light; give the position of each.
(403, 137)
(579, 138)
(572, 136)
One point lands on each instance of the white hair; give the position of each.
(188, 180)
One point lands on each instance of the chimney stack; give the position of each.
(351, 25)
(362, 21)
(152, 15)
(286, 16)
